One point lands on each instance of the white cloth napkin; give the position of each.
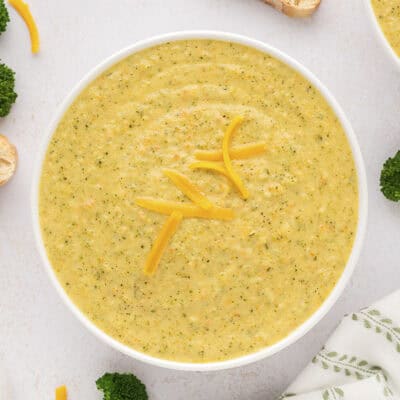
(360, 361)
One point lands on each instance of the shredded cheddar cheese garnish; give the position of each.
(227, 160)
(211, 165)
(202, 207)
(61, 393)
(23, 10)
(188, 188)
(167, 231)
(187, 210)
(237, 153)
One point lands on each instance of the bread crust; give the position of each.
(295, 8)
(8, 160)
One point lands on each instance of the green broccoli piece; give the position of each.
(7, 94)
(4, 17)
(117, 386)
(390, 178)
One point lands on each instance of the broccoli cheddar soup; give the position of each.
(388, 15)
(198, 200)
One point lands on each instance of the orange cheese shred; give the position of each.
(237, 153)
(227, 160)
(24, 11)
(188, 188)
(61, 393)
(211, 165)
(156, 252)
(187, 210)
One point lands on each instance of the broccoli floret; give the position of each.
(390, 178)
(4, 17)
(117, 386)
(7, 94)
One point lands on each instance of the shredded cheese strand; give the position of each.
(159, 245)
(61, 393)
(24, 11)
(187, 210)
(188, 188)
(227, 161)
(211, 165)
(237, 153)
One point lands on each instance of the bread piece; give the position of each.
(295, 8)
(8, 160)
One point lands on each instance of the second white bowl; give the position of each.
(379, 32)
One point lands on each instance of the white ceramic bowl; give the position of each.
(379, 32)
(326, 306)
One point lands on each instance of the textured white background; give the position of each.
(41, 344)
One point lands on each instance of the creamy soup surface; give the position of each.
(388, 14)
(223, 288)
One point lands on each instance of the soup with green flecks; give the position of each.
(223, 287)
(387, 13)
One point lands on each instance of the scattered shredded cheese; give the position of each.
(227, 161)
(23, 10)
(61, 393)
(189, 189)
(159, 245)
(202, 207)
(187, 210)
(214, 166)
(238, 153)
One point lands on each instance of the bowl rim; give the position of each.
(380, 34)
(301, 330)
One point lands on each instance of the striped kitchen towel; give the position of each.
(360, 361)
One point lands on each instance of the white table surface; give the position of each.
(41, 344)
